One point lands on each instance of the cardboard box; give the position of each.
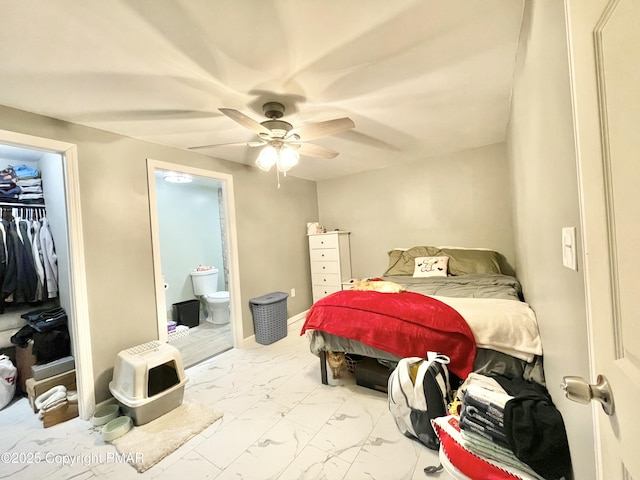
(24, 361)
(36, 388)
(59, 415)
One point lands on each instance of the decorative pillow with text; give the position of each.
(430, 267)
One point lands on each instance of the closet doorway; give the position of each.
(59, 167)
(193, 227)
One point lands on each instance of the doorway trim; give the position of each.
(79, 321)
(232, 244)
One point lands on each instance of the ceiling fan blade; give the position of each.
(322, 129)
(245, 121)
(238, 144)
(313, 150)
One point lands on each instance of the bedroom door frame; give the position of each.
(232, 244)
(79, 315)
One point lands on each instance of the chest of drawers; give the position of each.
(330, 259)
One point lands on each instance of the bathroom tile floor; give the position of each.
(279, 422)
(203, 342)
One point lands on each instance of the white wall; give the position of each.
(459, 199)
(50, 166)
(545, 195)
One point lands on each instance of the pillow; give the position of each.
(394, 258)
(401, 262)
(464, 261)
(430, 267)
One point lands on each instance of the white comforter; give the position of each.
(508, 326)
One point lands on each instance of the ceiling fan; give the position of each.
(283, 143)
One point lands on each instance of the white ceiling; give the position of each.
(418, 77)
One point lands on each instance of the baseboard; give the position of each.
(295, 318)
(291, 320)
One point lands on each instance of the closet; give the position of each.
(33, 243)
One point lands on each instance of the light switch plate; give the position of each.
(569, 254)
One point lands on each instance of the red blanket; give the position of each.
(406, 324)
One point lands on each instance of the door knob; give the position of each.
(578, 390)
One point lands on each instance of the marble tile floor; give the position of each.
(279, 422)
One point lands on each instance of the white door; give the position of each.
(604, 45)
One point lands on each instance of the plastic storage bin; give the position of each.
(187, 313)
(148, 381)
(269, 317)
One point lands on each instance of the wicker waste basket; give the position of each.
(269, 317)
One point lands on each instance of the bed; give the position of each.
(465, 303)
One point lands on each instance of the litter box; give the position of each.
(148, 381)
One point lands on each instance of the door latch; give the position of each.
(578, 390)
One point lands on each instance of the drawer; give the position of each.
(323, 254)
(325, 280)
(321, 292)
(324, 267)
(323, 241)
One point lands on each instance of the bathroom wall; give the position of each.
(190, 234)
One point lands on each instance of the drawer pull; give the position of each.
(324, 268)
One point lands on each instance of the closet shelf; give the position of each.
(22, 205)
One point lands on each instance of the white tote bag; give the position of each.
(8, 380)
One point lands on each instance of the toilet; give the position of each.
(205, 287)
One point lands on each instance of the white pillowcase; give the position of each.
(431, 266)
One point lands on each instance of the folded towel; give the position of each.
(495, 399)
(485, 448)
(30, 182)
(479, 416)
(493, 434)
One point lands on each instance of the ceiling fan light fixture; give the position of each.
(281, 141)
(267, 158)
(288, 159)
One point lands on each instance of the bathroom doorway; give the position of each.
(193, 228)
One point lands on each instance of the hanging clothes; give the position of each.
(37, 259)
(3, 262)
(27, 279)
(50, 259)
(11, 272)
(28, 260)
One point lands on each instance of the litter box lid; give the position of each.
(136, 368)
(135, 402)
